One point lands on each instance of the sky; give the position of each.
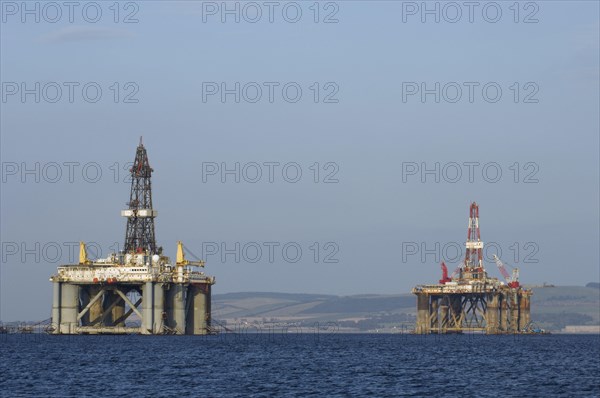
(314, 147)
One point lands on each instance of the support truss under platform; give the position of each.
(144, 308)
(447, 309)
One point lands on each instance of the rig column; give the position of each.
(176, 308)
(444, 314)
(433, 314)
(525, 310)
(504, 313)
(198, 319)
(514, 309)
(158, 309)
(56, 307)
(69, 300)
(492, 314)
(422, 314)
(147, 308)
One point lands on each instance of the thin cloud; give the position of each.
(84, 33)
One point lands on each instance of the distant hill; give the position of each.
(556, 307)
(594, 285)
(362, 304)
(552, 308)
(276, 296)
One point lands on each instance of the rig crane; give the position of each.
(181, 260)
(513, 281)
(445, 277)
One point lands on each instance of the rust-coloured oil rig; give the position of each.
(471, 301)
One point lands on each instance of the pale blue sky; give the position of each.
(368, 134)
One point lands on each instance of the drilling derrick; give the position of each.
(100, 296)
(139, 234)
(473, 265)
(472, 302)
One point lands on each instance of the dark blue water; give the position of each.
(301, 365)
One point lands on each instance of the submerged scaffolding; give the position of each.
(98, 297)
(472, 301)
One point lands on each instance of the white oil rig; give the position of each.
(99, 296)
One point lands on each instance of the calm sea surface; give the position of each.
(300, 364)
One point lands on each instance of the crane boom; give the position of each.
(455, 272)
(181, 260)
(512, 281)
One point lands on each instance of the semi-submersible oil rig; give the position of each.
(471, 301)
(98, 297)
